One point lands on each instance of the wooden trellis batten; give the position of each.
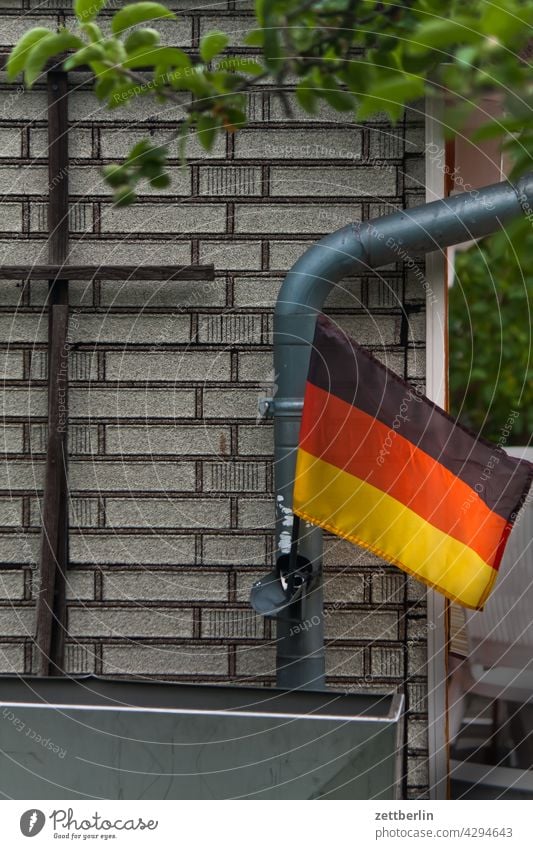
(53, 560)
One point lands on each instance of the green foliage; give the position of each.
(490, 327)
(358, 56)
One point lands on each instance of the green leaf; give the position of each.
(272, 50)
(136, 13)
(145, 37)
(87, 10)
(306, 96)
(115, 175)
(46, 47)
(85, 56)
(167, 57)
(255, 38)
(340, 100)
(242, 65)
(207, 128)
(212, 44)
(19, 53)
(446, 32)
(93, 32)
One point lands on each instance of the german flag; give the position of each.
(381, 465)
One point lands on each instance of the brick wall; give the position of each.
(170, 472)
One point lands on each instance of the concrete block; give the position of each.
(168, 366)
(80, 218)
(89, 181)
(166, 218)
(230, 328)
(342, 588)
(16, 104)
(362, 625)
(79, 658)
(199, 513)
(345, 663)
(234, 476)
(418, 770)
(234, 550)
(10, 296)
(417, 660)
(129, 622)
(10, 138)
(415, 174)
(20, 475)
(293, 218)
(11, 440)
(80, 144)
(336, 182)
(133, 329)
(417, 735)
(154, 476)
(254, 661)
(116, 293)
(167, 439)
(237, 28)
(13, 26)
(121, 403)
(80, 585)
(256, 439)
(184, 660)
(17, 621)
(12, 658)
(320, 144)
(23, 327)
(386, 142)
(385, 292)
(11, 365)
(386, 661)
(162, 585)
(229, 180)
(28, 401)
(417, 327)
(388, 588)
(244, 582)
(11, 217)
(258, 367)
(10, 512)
(126, 252)
(231, 255)
(416, 363)
(256, 292)
(231, 403)
(23, 179)
(11, 585)
(231, 624)
(131, 549)
(372, 330)
(257, 514)
(283, 255)
(417, 697)
(116, 143)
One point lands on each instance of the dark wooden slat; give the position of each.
(107, 272)
(53, 538)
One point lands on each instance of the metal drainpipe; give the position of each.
(352, 250)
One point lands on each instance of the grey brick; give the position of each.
(12, 27)
(415, 174)
(258, 439)
(234, 328)
(416, 363)
(128, 622)
(11, 440)
(163, 293)
(29, 401)
(11, 365)
(371, 330)
(18, 548)
(17, 621)
(417, 660)
(417, 734)
(386, 143)
(168, 513)
(140, 548)
(89, 180)
(339, 552)
(23, 179)
(95, 403)
(385, 292)
(257, 367)
(80, 219)
(386, 662)
(255, 660)
(17, 104)
(417, 327)
(234, 476)
(231, 255)
(343, 588)
(363, 625)
(165, 660)
(232, 624)
(417, 697)
(293, 218)
(161, 585)
(11, 585)
(388, 588)
(79, 142)
(418, 770)
(21, 327)
(245, 580)
(10, 296)
(256, 513)
(79, 658)
(20, 474)
(346, 294)
(228, 180)
(85, 108)
(108, 477)
(11, 218)
(167, 439)
(79, 585)
(128, 252)
(132, 329)
(256, 292)
(230, 403)
(283, 255)
(335, 182)
(331, 143)
(234, 550)
(237, 28)
(168, 366)
(10, 139)
(116, 143)
(166, 218)
(12, 657)
(10, 512)
(344, 662)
